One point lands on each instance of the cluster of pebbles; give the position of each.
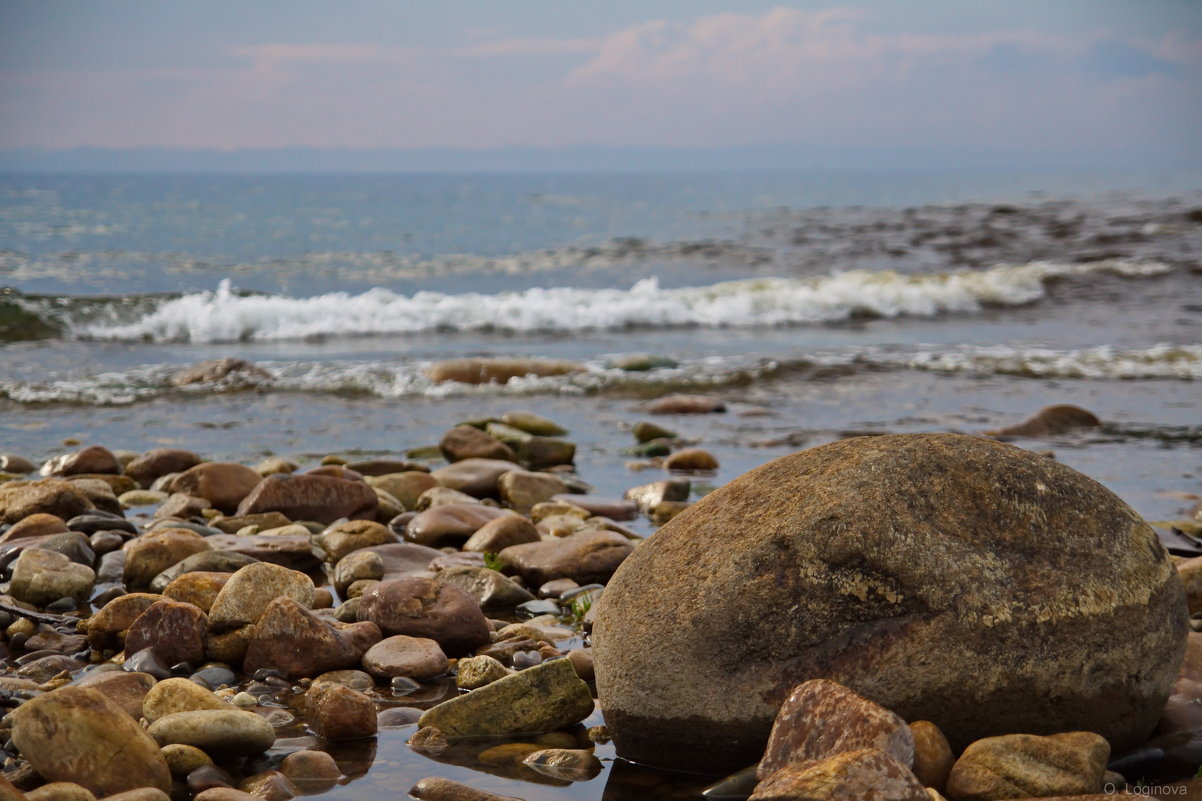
(221, 631)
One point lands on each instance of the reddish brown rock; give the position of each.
(820, 719)
(223, 484)
(497, 370)
(586, 558)
(420, 607)
(336, 712)
(53, 496)
(686, 404)
(308, 497)
(476, 477)
(291, 638)
(199, 588)
(175, 630)
(150, 554)
(933, 757)
(159, 462)
(451, 523)
(93, 459)
(106, 629)
(692, 460)
(498, 534)
(1022, 765)
(416, 657)
(865, 775)
(1050, 421)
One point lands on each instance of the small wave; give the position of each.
(1180, 362)
(227, 316)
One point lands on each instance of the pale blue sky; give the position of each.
(1020, 76)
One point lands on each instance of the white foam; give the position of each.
(224, 316)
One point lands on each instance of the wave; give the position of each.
(409, 379)
(228, 316)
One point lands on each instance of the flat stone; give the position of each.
(686, 404)
(477, 477)
(213, 370)
(232, 524)
(565, 764)
(218, 732)
(293, 552)
(420, 607)
(532, 423)
(406, 487)
(521, 490)
(497, 370)
(93, 459)
(586, 558)
(36, 525)
(343, 538)
(210, 561)
(542, 698)
(127, 689)
(1050, 421)
(596, 505)
(309, 497)
(416, 657)
(488, 587)
(439, 789)
(76, 734)
(540, 452)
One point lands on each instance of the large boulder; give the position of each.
(947, 578)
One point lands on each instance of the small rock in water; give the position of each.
(687, 404)
(646, 431)
(310, 765)
(532, 423)
(649, 496)
(340, 713)
(213, 370)
(567, 764)
(397, 716)
(436, 789)
(499, 371)
(640, 362)
(468, 442)
(421, 607)
(474, 672)
(415, 657)
(692, 460)
(1049, 422)
(218, 732)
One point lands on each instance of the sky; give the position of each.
(1025, 78)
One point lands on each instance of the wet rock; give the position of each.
(420, 607)
(939, 543)
(209, 561)
(150, 554)
(415, 657)
(306, 765)
(293, 639)
(1050, 421)
(94, 522)
(246, 595)
(73, 545)
(159, 462)
(45, 668)
(223, 484)
(451, 523)
(640, 362)
(566, 764)
(174, 695)
(93, 459)
(821, 718)
(532, 423)
(595, 505)
(474, 672)
(521, 490)
(358, 566)
(477, 477)
(126, 689)
(183, 759)
(76, 734)
(1023, 765)
(106, 629)
(221, 793)
(933, 757)
(587, 557)
(542, 452)
(438, 789)
(397, 716)
(339, 713)
(270, 785)
(218, 732)
(42, 577)
(98, 492)
(342, 538)
(232, 524)
(468, 442)
(212, 370)
(488, 587)
(36, 525)
(355, 679)
(692, 460)
(543, 698)
(198, 588)
(51, 496)
(866, 774)
(646, 431)
(497, 370)
(648, 496)
(176, 631)
(499, 533)
(582, 662)
(686, 404)
(406, 487)
(285, 550)
(307, 497)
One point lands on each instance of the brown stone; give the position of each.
(1191, 577)
(856, 561)
(293, 639)
(174, 695)
(476, 477)
(232, 524)
(648, 497)
(199, 588)
(181, 506)
(402, 559)
(150, 554)
(439, 789)
(469, 442)
(613, 508)
(864, 775)
(1020, 765)
(498, 534)
(304, 765)
(497, 370)
(36, 525)
(307, 497)
(451, 523)
(53, 496)
(294, 552)
(420, 607)
(106, 629)
(933, 757)
(692, 460)
(342, 538)
(223, 484)
(586, 558)
(125, 688)
(1050, 421)
(820, 719)
(416, 657)
(61, 791)
(248, 593)
(406, 487)
(159, 462)
(521, 490)
(487, 587)
(12, 463)
(270, 785)
(336, 712)
(93, 459)
(76, 734)
(207, 372)
(686, 404)
(175, 630)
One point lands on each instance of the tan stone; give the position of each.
(218, 732)
(224, 484)
(127, 689)
(498, 534)
(247, 593)
(469, 442)
(106, 629)
(1019, 765)
(521, 489)
(54, 496)
(342, 538)
(199, 588)
(178, 695)
(497, 370)
(865, 775)
(933, 757)
(36, 525)
(152, 553)
(450, 523)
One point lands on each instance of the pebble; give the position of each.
(219, 733)
(336, 712)
(415, 657)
